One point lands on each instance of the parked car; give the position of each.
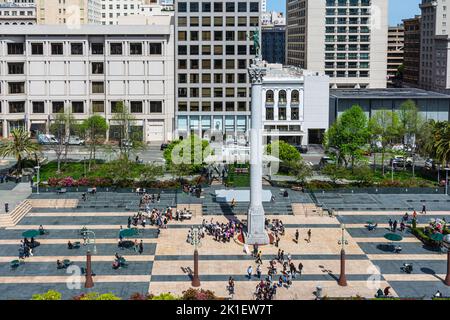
(164, 146)
(399, 161)
(325, 161)
(75, 141)
(47, 139)
(127, 143)
(301, 148)
(430, 164)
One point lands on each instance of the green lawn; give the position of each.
(76, 170)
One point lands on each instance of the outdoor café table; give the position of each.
(15, 263)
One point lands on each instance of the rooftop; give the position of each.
(88, 29)
(390, 93)
(279, 72)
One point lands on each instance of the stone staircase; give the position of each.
(11, 219)
(54, 203)
(306, 209)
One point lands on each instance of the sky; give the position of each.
(398, 9)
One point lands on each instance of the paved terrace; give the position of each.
(165, 263)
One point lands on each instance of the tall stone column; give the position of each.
(256, 233)
(5, 129)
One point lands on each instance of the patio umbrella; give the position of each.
(30, 233)
(129, 233)
(393, 237)
(438, 237)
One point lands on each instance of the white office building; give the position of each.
(50, 69)
(295, 104)
(346, 39)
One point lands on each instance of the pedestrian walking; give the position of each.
(141, 247)
(297, 234)
(259, 257)
(390, 224)
(424, 209)
(394, 226)
(277, 241)
(309, 235)
(249, 272)
(300, 268)
(258, 271)
(136, 246)
(129, 223)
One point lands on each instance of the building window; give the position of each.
(116, 106)
(38, 107)
(37, 49)
(98, 106)
(155, 48)
(135, 48)
(16, 87)
(58, 107)
(269, 114)
(295, 115)
(57, 48)
(254, 7)
(295, 97)
(282, 98)
(17, 107)
(136, 107)
(97, 67)
(155, 106)
(98, 87)
(16, 48)
(76, 48)
(16, 68)
(97, 48)
(77, 107)
(116, 48)
(269, 97)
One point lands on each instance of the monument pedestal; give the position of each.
(256, 233)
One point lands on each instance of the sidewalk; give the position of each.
(15, 196)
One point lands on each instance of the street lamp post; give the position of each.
(195, 241)
(446, 243)
(343, 242)
(38, 179)
(89, 280)
(446, 180)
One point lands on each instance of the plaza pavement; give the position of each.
(166, 262)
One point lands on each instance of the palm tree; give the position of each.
(20, 146)
(442, 142)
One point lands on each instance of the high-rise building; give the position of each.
(17, 12)
(274, 44)
(411, 51)
(263, 5)
(214, 49)
(346, 39)
(69, 12)
(434, 28)
(396, 38)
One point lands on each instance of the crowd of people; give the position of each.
(222, 232)
(26, 247)
(194, 190)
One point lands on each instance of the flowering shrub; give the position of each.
(82, 182)
(198, 294)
